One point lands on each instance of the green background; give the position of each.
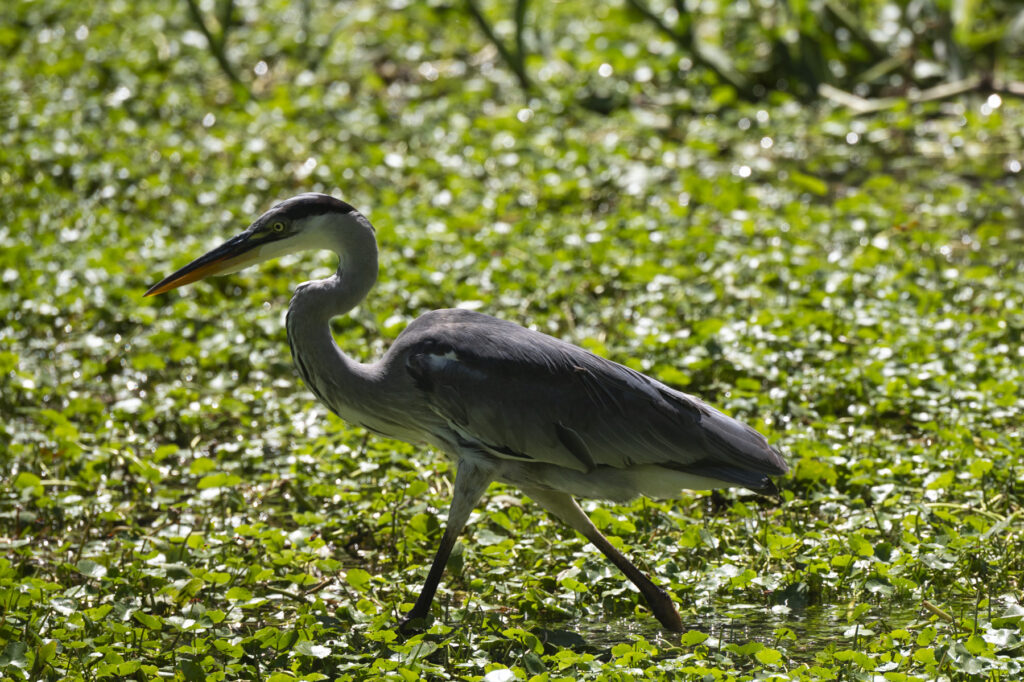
(770, 206)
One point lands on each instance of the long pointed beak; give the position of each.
(231, 256)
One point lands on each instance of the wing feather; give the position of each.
(522, 394)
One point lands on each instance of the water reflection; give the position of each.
(812, 628)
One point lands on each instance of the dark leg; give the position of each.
(471, 480)
(564, 507)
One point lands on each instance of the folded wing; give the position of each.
(523, 395)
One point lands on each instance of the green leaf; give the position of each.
(941, 481)
(202, 465)
(693, 638)
(191, 670)
(858, 657)
(308, 648)
(91, 569)
(148, 361)
(358, 579)
(218, 480)
(45, 652)
(26, 480)
(861, 546)
(238, 593)
(768, 656)
(977, 645)
(14, 653)
(151, 622)
(809, 183)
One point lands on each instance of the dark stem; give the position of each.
(515, 59)
(684, 39)
(217, 42)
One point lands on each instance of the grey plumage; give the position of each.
(518, 393)
(502, 401)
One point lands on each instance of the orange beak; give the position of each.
(231, 256)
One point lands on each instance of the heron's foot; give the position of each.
(663, 609)
(412, 624)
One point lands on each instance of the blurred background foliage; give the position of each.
(809, 213)
(868, 48)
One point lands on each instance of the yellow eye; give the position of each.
(277, 227)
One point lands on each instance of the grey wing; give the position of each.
(524, 395)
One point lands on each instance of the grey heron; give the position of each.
(505, 403)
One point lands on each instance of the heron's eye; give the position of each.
(277, 227)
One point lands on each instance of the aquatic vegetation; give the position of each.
(176, 503)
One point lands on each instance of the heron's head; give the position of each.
(306, 221)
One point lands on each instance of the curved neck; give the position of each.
(357, 273)
(336, 379)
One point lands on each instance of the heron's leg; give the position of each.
(564, 507)
(471, 480)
